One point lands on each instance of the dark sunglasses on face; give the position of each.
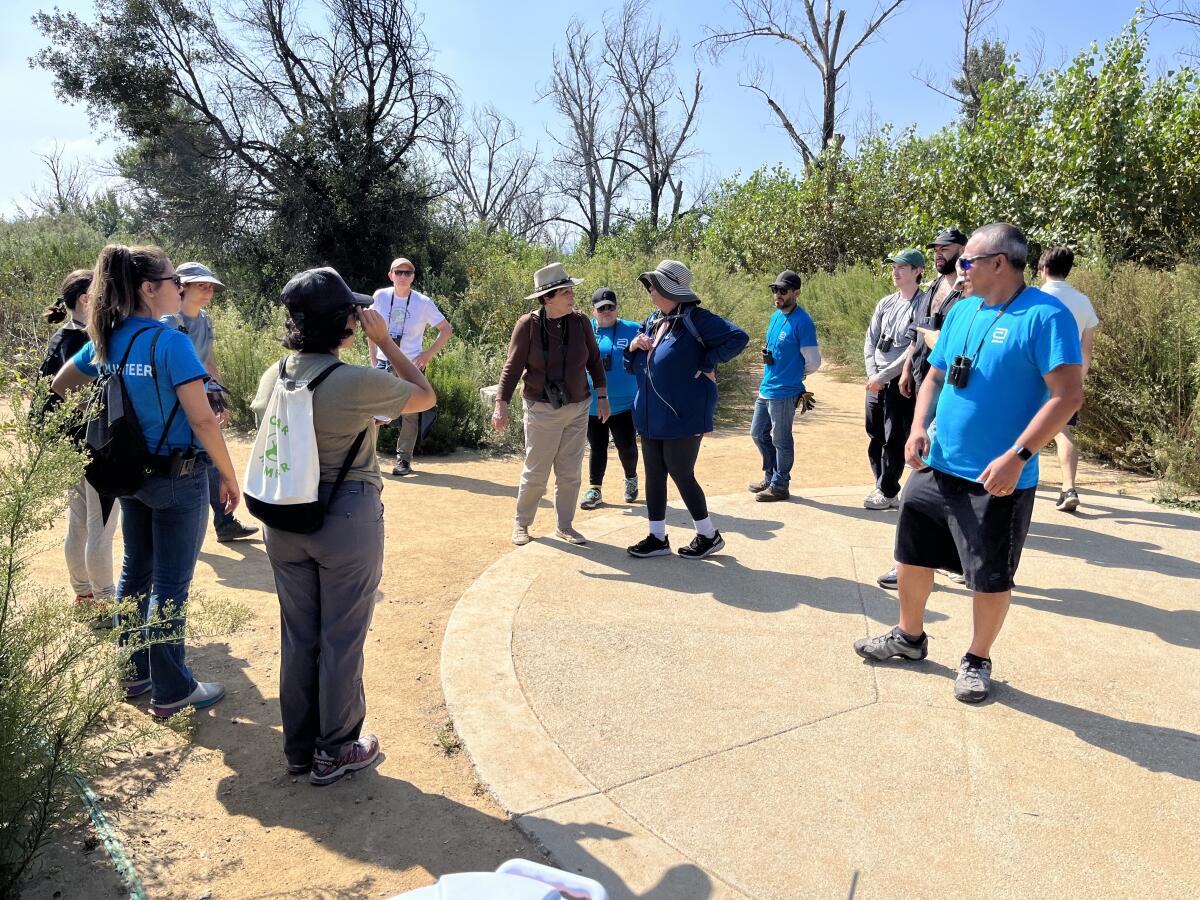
(779, 290)
(966, 262)
(175, 278)
(405, 272)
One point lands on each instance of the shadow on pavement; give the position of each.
(1180, 627)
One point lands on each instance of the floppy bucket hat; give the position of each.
(197, 273)
(319, 291)
(551, 278)
(672, 279)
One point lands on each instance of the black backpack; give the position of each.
(119, 458)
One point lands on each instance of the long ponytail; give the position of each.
(118, 276)
(73, 287)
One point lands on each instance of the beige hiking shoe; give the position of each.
(520, 535)
(570, 535)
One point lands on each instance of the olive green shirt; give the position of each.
(343, 404)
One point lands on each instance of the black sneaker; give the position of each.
(650, 546)
(1068, 501)
(235, 531)
(402, 467)
(890, 580)
(702, 546)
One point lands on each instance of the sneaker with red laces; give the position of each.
(327, 769)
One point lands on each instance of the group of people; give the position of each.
(967, 380)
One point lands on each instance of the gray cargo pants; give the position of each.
(326, 582)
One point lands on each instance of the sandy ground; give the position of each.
(215, 815)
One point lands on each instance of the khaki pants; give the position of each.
(554, 439)
(406, 439)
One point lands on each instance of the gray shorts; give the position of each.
(947, 522)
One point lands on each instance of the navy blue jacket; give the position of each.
(671, 401)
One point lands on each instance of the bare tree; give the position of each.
(68, 188)
(495, 182)
(819, 35)
(640, 61)
(1183, 12)
(587, 173)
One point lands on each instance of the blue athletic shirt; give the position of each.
(177, 365)
(1006, 387)
(622, 385)
(786, 334)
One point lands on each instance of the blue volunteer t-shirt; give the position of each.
(176, 362)
(1006, 387)
(622, 385)
(785, 336)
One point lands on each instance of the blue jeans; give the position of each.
(163, 525)
(220, 518)
(771, 429)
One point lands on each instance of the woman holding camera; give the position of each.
(675, 359)
(554, 350)
(163, 524)
(613, 335)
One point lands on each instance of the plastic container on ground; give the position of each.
(517, 879)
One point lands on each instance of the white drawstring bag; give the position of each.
(283, 474)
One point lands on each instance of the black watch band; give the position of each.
(1023, 453)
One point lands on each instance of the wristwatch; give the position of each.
(1023, 453)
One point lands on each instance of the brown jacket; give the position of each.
(527, 358)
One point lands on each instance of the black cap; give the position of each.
(320, 291)
(948, 236)
(787, 279)
(604, 295)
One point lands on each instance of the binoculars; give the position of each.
(768, 357)
(959, 372)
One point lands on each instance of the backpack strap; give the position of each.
(358, 441)
(154, 375)
(686, 315)
(314, 383)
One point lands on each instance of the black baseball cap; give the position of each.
(604, 296)
(787, 279)
(319, 291)
(947, 236)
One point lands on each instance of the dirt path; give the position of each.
(219, 814)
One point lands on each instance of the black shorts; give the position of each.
(947, 522)
(1074, 419)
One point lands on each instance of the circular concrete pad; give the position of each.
(695, 729)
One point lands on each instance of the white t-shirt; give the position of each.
(407, 318)
(1076, 301)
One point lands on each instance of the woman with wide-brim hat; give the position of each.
(675, 358)
(554, 350)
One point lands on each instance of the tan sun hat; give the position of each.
(551, 278)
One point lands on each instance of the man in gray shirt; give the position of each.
(889, 412)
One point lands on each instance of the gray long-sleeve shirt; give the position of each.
(891, 319)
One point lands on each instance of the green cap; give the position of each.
(909, 256)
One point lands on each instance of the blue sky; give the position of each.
(500, 53)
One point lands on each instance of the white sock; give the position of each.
(659, 529)
(705, 527)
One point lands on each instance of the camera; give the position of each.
(556, 394)
(767, 356)
(960, 372)
(608, 363)
(885, 344)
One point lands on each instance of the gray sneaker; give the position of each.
(631, 489)
(591, 499)
(973, 682)
(891, 644)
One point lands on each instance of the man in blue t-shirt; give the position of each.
(789, 353)
(1006, 375)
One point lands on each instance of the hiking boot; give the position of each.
(702, 546)
(206, 693)
(974, 682)
(591, 499)
(402, 467)
(631, 489)
(892, 644)
(772, 494)
(650, 546)
(520, 535)
(1068, 501)
(570, 535)
(889, 580)
(876, 500)
(235, 531)
(327, 769)
(136, 688)
(755, 486)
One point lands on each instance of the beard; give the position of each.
(947, 267)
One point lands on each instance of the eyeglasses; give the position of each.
(175, 278)
(404, 272)
(966, 262)
(776, 289)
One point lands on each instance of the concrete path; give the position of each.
(697, 730)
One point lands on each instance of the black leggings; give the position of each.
(676, 458)
(623, 435)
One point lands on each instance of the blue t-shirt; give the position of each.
(622, 385)
(1006, 387)
(176, 363)
(786, 334)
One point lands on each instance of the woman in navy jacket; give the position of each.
(674, 360)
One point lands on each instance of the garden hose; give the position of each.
(112, 843)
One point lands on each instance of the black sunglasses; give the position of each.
(175, 278)
(404, 272)
(966, 262)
